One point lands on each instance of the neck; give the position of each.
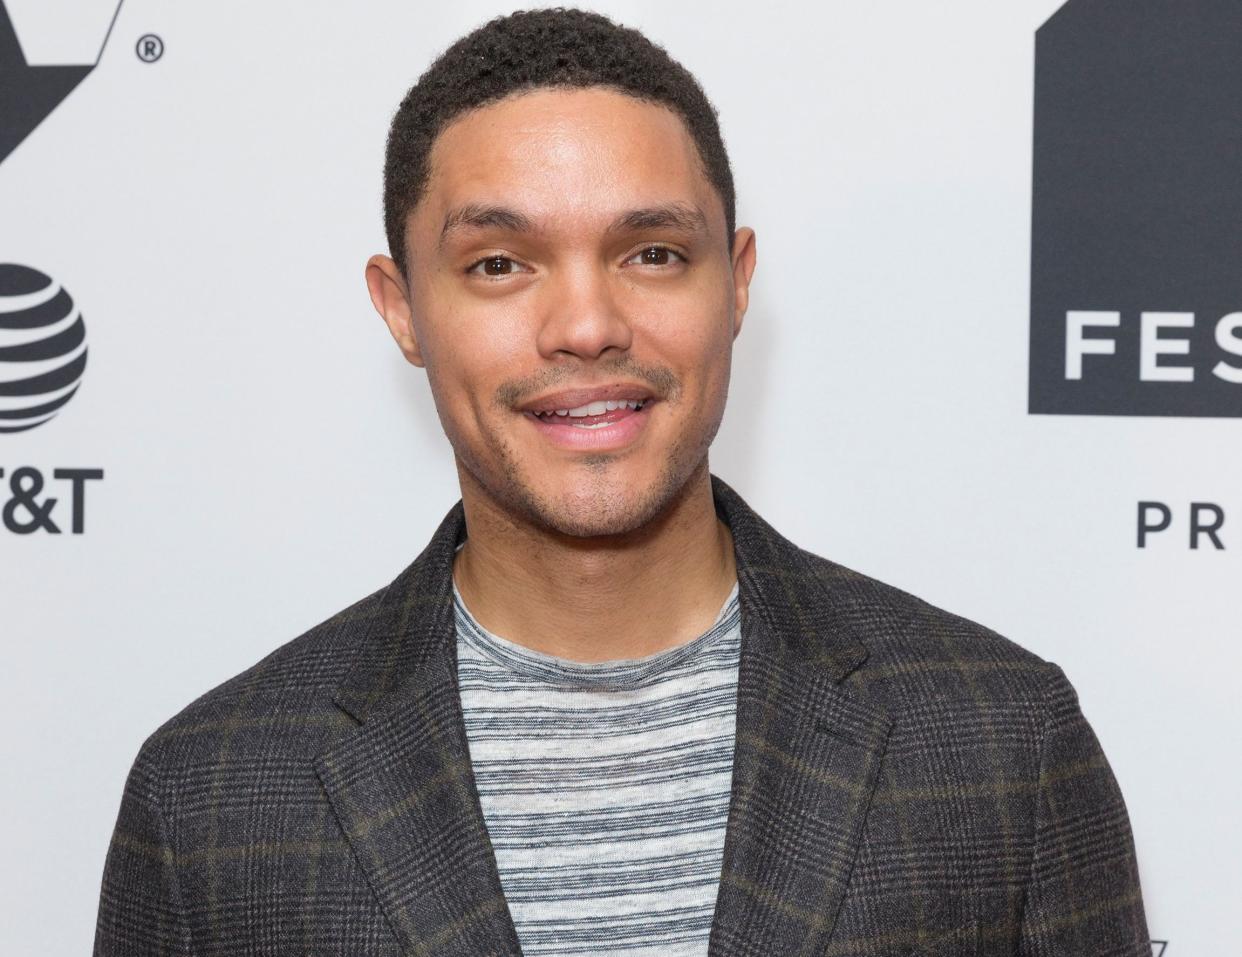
(597, 599)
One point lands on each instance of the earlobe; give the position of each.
(744, 257)
(390, 296)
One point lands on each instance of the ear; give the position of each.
(743, 268)
(391, 299)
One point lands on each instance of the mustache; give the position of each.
(660, 379)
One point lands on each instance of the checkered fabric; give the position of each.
(906, 783)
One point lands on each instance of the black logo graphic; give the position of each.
(42, 347)
(1136, 245)
(28, 94)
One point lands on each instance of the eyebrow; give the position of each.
(675, 215)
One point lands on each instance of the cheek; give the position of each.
(713, 358)
(699, 346)
(468, 352)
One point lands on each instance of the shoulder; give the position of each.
(284, 695)
(924, 658)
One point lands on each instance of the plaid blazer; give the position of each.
(906, 782)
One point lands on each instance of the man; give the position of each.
(609, 709)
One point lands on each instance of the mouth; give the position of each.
(597, 426)
(592, 415)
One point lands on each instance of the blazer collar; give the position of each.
(806, 760)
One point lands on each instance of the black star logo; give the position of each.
(28, 94)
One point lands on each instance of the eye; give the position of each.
(657, 256)
(494, 266)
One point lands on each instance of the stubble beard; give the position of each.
(603, 506)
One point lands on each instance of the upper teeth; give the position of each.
(596, 408)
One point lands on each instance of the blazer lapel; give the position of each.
(808, 752)
(401, 783)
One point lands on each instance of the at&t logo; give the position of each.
(42, 358)
(42, 348)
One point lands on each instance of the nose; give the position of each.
(582, 316)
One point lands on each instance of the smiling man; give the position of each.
(608, 709)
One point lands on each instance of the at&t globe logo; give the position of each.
(42, 348)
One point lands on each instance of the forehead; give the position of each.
(572, 154)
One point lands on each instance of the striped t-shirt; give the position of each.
(604, 786)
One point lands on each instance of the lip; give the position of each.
(625, 428)
(573, 398)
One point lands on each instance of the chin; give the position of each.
(590, 505)
(596, 501)
(615, 519)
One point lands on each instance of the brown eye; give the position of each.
(657, 256)
(496, 267)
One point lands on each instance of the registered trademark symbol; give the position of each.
(150, 48)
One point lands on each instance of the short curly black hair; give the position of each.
(529, 49)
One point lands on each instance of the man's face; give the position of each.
(569, 251)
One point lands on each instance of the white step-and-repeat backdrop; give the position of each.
(994, 357)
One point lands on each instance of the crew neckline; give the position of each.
(620, 673)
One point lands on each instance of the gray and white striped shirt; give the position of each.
(604, 786)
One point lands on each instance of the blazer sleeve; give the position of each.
(140, 906)
(1083, 898)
